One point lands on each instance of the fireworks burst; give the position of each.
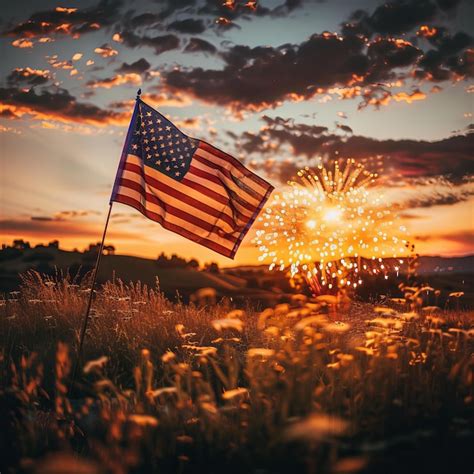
(331, 227)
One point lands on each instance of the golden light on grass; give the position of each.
(332, 227)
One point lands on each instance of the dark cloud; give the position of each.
(448, 60)
(396, 17)
(67, 21)
(141, 20)
(29, 76)
(160, 43)
(139, 67)
(447, 198)
(190, 26)
(42, 218)
(449, 57)
(263, 76)
(410, 159)
(197, 45)
(56, 104)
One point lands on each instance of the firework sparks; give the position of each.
(331, 227)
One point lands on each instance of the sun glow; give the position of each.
(331, 228)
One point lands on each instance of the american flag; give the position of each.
(187, 185)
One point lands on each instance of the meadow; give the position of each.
(314, 385)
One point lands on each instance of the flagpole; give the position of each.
(101, 249)
(94, 278)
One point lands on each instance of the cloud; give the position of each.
(438, 199)
(364, 55)
(160, 43)
(190, 26)
(22, 43)
(406, 159)
(58, 105)
(29, 76)
(66, 21)
(138, 67)
(198, 45)
(396, 17)
(248, 78)
(117, 80)
(106, 51)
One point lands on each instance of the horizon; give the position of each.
(390, 92)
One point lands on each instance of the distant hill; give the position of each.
(239, 283)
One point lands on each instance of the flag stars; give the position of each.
(161, 145)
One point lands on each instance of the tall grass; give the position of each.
(309, 386)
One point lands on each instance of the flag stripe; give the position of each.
(244, 206)
(224, 176)
(228, 169)
(167, 213)
(232, 164)
(202, 193)
(189, 204)
(183, 231)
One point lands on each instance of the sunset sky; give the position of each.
(279, 84)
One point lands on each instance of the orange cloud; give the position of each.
(106, 51)
(66, 10)
(118, 80)
(426, 31)
(409, 98)
(22, 43)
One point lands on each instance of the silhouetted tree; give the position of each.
(212, 267)
(20, 244)
(54, 244)
(193, 263)
(109, 250)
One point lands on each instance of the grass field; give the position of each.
(319, 385)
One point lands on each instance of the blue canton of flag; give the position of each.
(160, 144)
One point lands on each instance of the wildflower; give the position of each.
(366, 350)
(143, 420)
(299, 298)
(168, 356)
(281, 309)
(437, 321)
(236, 313)
(272, 331)
(328, 299)
(262, 318)
(411, 316)
(209, 407)
(228, 323)
(387, 323)
(260, 352)
(385, 311)
(161, 391)
(398, 300)
(96, 364)
(316, 427)
(236, 392)
(338, 327)
(201, 350)
(318, 319)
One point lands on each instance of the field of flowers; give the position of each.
(315, 385)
